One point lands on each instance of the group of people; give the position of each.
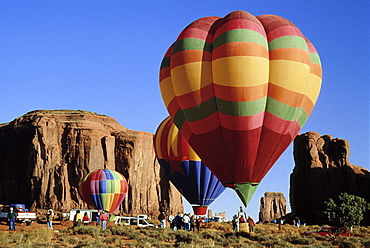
(186, 221)
(101, 218)
(240, 217)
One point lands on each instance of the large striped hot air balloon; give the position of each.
(239, 89)
(184, 168)
(103, 189)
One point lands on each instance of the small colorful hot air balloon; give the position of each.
(103, 189)
(239, 89)
(184, 168)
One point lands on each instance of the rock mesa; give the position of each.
(322, 170)
(45, 154)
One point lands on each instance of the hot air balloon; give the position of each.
(239, 89)
(184, 168)
(103, 189)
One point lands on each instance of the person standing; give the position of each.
(162, 219)
(49, 218)
(78, 219)
(170, 219)
(11, 218)
(98, 218)
(198, 223)
(85, 219)
(251, 224)
(192, 222)
(103, 218)
(177, 222)
(236, 223)
(186, 222)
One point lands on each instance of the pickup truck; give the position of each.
(22, 214)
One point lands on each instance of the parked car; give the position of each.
(330, 231)
(218, 219)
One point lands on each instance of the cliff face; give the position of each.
(45, 154)
(273, 207)
(322, 170)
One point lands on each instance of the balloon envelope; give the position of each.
(239, 89)
(103, 189)
(184, 168)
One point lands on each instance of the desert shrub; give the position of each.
(151, 232)
(343, 242)
(211, 235)
(320, 245)
(4, 238)
(69, 240)
(88, 230)
(165, 235)
(121, 230)
(297, 239)
(105, 232)
(249, 245)
(186, 237)
(261, 231)
(115, 240)
(366, 242)
(261, 238)
(93, 243)
(223, 227)
(360, 231)
(276, 243)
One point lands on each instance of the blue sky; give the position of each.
(104, 57)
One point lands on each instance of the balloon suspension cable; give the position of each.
(281, 169)
(232, 200)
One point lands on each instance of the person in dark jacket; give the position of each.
(11, 218)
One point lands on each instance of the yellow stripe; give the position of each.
(117, 186)
(192, 155)
(241, 71)
(159, 136)
(291, 75)
(313, 89)
(109, 200)
(167, 90)
(172, 141)
(191, 77)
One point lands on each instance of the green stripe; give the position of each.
(286, 112)
(165, 62)
(191, 44)
(315, 59)
(209, 107)
(245, 191)
(226, 107)
(288, 41)
(179, 119)
(240, 35)
(241, 108)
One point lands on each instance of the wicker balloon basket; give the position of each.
(244, 227)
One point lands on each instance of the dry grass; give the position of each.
(211, 235)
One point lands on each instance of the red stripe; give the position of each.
(197, 97)
(189, 56)
(199, 29)
(283, 31)
(249, 23)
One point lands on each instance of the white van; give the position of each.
(133, 221)
(92, 213)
